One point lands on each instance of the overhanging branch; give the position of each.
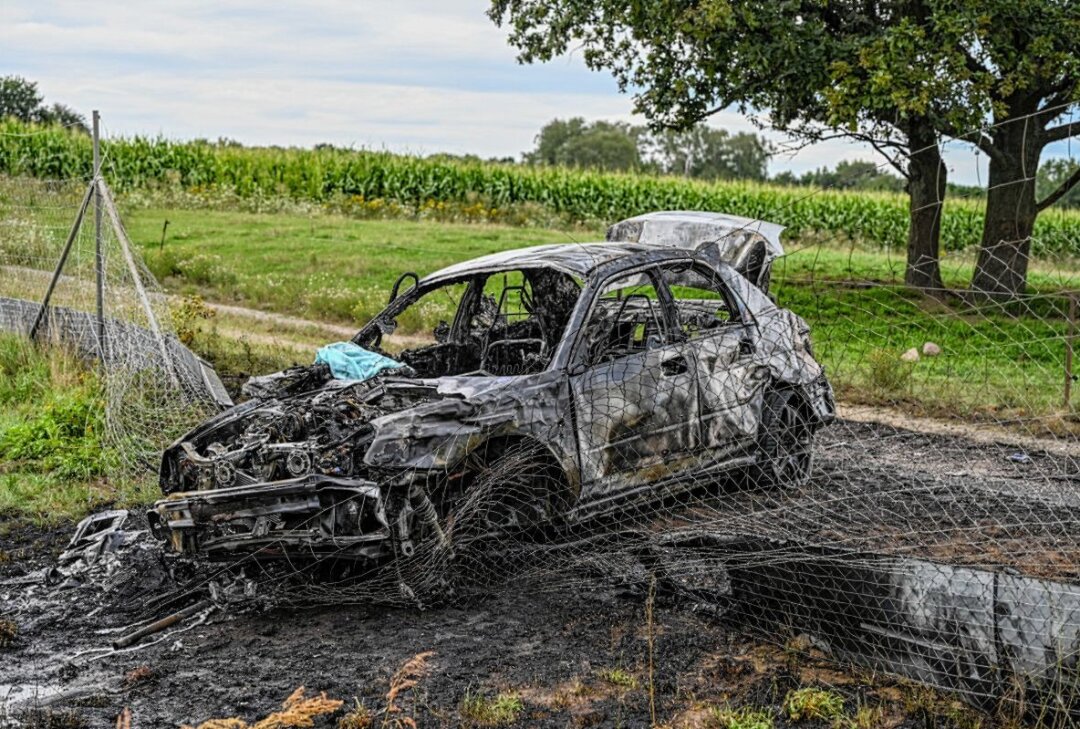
(1060, 192)
(1062, 131)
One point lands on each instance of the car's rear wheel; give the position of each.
(785, 443)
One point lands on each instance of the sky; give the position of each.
(408, 76)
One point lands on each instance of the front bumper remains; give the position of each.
(321, 516)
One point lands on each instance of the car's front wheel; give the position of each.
(785, 443)
(517, 492)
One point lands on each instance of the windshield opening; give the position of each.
(503, 323)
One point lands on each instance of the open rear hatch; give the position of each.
(747, 245)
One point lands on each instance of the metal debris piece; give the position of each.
(160, 625)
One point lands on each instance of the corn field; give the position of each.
(327, 173)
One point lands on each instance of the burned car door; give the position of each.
(634, 389)
(719, 335)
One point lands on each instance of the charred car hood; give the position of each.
(302, 422)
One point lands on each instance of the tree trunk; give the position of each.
(926, 189)
(1001, 268)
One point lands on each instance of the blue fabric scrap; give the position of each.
(347, 361)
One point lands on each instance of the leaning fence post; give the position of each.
(140, 290)
(1070, 336)
(63, 259)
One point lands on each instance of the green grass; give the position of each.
(323, 267)
(500, 710)
(53, 454)
(619, 677)
(742, 718)
(813, 704)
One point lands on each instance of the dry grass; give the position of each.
(402, 683)
(138, 675)
(297, 712)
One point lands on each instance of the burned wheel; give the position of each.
(517, 492)
(785, 444)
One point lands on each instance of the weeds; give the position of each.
(501, 710)
(887, 373)
(744, 718)
(813, 704)
(619, 677)
(187, 317)
(926, 706)
(358, 717)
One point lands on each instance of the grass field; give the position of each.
(53, 454)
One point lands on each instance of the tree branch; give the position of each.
(1060, 192)
(1062, 131)
(985, 142)
(973, 64)
(889, 158)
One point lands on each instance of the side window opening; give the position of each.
(627, 318)
(702, 302)
(504, 323)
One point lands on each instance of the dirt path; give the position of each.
(981, 433)
(268, 317)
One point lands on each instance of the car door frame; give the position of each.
(730, 405)
(595, 483)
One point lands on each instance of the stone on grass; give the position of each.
(930, 349)
(912, 355)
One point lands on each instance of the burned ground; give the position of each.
(570, 640)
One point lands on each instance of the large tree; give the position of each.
(1011, 73)
(687, 59)
(19, 98)
(1024, 60)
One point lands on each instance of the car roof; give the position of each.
(576, 259)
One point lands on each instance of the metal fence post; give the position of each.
(99, 254)
(1070, 337)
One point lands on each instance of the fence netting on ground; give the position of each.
(844, 465)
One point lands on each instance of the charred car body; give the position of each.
(555, 383)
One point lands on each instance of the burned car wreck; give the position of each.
(524, 388)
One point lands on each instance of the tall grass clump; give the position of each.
(366, 180)
(53, 412)
(54, 454)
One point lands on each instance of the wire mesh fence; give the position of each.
(799, 443)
